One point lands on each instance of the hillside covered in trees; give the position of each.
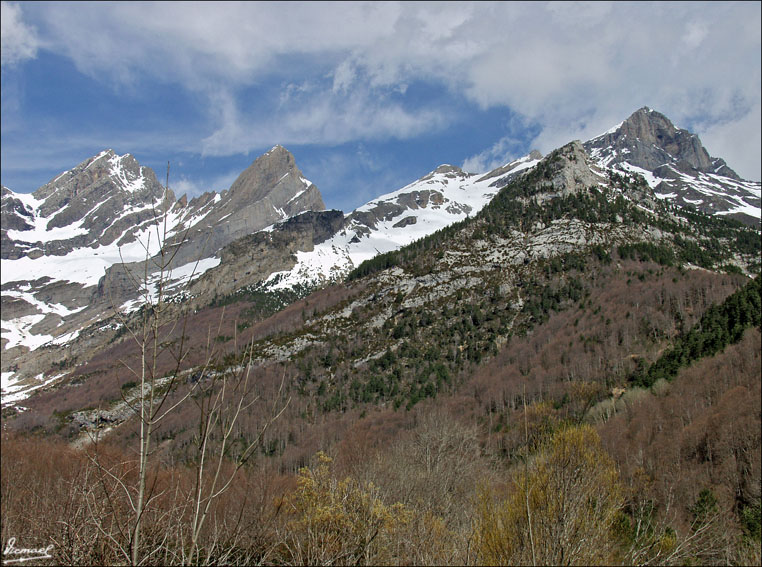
(572, 376)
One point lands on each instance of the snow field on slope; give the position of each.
(87, 265)
(174, 279)
(338, 255)
(11, 392)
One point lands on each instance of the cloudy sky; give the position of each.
(367, 96)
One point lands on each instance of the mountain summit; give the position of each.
(104, 198)
(649, 140)
(676, 165)
(274, 175)
(271, 189)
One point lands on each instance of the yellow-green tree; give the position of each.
(340, 522)
(561, 508)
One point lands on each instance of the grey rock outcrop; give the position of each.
(571, 170)
(14, 214)
(253, 258)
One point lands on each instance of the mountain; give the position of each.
(271, 189)
(677, 166)
(569, 342)
(568, 320)
(76, 248)
(104, 198)
(423, 320)
(268, 240)
(436, 200)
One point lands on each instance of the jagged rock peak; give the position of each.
(123, 171)
(106, 177)
(648, 139)
(447, 170)
(652, 127)
(273, 171)
(570, 170)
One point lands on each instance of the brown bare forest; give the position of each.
(543, 452)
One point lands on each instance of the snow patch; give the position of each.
(41, 233)
(13, 392)
(18, 332)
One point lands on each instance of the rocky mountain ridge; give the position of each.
(502, 271)
(407, 323)
(76, 249)
(270, 233)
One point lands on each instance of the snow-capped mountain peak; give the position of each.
(67, 246)
(676, 166)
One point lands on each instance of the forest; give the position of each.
(596, 405)
(500, 470)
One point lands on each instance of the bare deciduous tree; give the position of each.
(167, 380)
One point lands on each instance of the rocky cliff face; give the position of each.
(271, 189)
(275, 179)
(252, 259)
(677, 166)
(649, 140)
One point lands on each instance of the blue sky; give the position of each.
(367, 96)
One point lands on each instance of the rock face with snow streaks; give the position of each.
(677, 166)
(77, 248)
(271, 189)
(103, 199)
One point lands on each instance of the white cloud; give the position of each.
(573, 69)
(18, 40)
(200, 43)
(319, 115)
(495, 156)
(738, 141)
(695, 33)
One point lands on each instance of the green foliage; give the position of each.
(741, 238)
(751, 518)
(541, 300)
(706, 254)
(720, 326)
(264, 302)
(704, 508)
(647, 251)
